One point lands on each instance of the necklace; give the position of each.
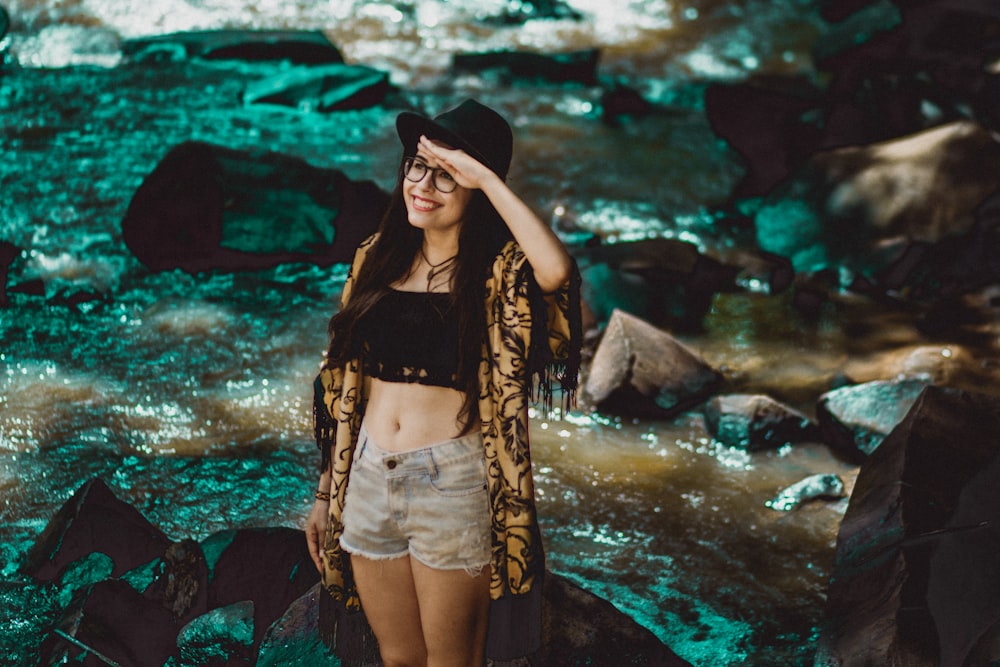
(436, 269)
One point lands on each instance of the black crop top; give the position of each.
(410, 337)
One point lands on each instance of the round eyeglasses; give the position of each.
(414, 169)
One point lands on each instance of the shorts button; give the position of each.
(390, 464)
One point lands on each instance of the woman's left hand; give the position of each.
(467, 171)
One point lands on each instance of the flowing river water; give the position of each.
(190, 395)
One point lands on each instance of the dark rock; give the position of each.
(522, 11)
(336, 87)
(844, 206)
(578, 628)
(294, 639)
(755, 422)
(94, 520)
(296, 46)
(577, 67)
(4, 22)
(8, 253)
(813, 487)
(270, 566)
(915, 580)
(222, 637)
(764, 125)
(111, 623)
(620, 103)
(180, 581)
(207, 207)
(854, 420)
(641, 370)
(664, 281)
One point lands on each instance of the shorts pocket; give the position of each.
(460, 478)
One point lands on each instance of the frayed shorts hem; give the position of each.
(471, 570)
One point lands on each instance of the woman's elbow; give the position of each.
(553, 276)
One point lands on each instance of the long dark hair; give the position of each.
(481, 236)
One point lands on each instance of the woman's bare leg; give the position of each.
(454, 610)
(389, 598)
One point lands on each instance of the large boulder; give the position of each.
(854, 420)
(858, 207)
(94, 519)
(915, 580)
(208, 207)
(641, 370)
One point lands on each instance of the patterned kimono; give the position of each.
(531, 340)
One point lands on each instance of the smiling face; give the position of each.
(430, 209)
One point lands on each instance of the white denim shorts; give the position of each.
(431, 503)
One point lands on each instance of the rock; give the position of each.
(111, 623)
(270, 566)
(915, 580)
(296, 46)
(640, 370)
(208, 207)
(950, 364)
(578, 628)
(521, 11)
(755, 422)
(844, 205)
(94, 520)
(294, 639)
(854, 420)
(8, 253)
(664, 281)
(336, 87)
(762, 122)
(180, 581)
(577, 67)
(4, 23)
(222, 637)
(813, 487)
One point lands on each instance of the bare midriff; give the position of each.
(402, 416)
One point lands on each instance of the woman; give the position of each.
(458, 308)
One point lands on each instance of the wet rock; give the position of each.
(577, 628)
(856, 419)
(94, 520)
(756, 422)
(294, 638)
(620, 103)
(180, 581)
(950, 364)
(208, 207)
(844, 206)
(111, 623)
(761, 120)
(813, 487)
(270, 566)
(915, 580)
(577, 67)
(664, 281)
(336, 87)
(4, 24)
(522, 11)
(296, 46)
(641, 370)
(222, 637)
(8, 253)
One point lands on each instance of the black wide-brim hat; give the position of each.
(475, 128)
